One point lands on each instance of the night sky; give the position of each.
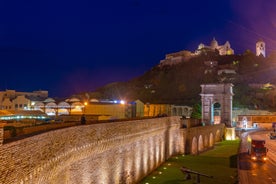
(68, 47)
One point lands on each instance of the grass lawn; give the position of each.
(220, 163)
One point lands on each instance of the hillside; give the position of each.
(180, 83)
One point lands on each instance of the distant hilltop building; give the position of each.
(177, 57)
(260, 48)
(184, 55)
(222, 49)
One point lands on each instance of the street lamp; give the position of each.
(85, 104)
(83, 119)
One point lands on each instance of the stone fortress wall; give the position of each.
(119, 152)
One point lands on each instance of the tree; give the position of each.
(196, 114)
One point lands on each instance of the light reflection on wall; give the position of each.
(200, 143)
(158, 150)
(162, 150)
(128, 165)
(103, 172)
(194, 146)
(138, 162)
(230, 134)
(151, 153)
(118, 166)
(211, 140)
(170, 146)
(145, 157)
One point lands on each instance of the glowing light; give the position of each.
(122, 102)
(164, 168)
(153, 177)
(230, 134)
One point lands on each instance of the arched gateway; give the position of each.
(216, 93)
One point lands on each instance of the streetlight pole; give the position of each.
(85, 104)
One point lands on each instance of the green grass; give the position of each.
(220, 163)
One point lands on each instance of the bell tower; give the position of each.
(260, 48)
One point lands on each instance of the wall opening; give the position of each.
(216, 113)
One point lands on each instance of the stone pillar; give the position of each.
(2, 133)
(206, 101)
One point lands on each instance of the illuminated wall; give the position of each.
(254, 121)
(121, 152)
(152, 110)
(115, 111)
(202, 138)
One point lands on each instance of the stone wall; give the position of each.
(202, 138)
(22, 131)
(119, 152)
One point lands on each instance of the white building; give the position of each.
(260, 48)
(184, 55)
(222, 49)
(14, 100)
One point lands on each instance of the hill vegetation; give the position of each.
(253, 80)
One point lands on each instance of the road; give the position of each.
(251, 172)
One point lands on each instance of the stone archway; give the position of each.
(216, 93)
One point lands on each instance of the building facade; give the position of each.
(185, 55)
(222, 49)
(14, 100)
(260, 48)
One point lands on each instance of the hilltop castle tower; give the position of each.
(260, 48)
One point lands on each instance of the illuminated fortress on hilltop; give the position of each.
(184, 55)
(222, 49)
(225, 49)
